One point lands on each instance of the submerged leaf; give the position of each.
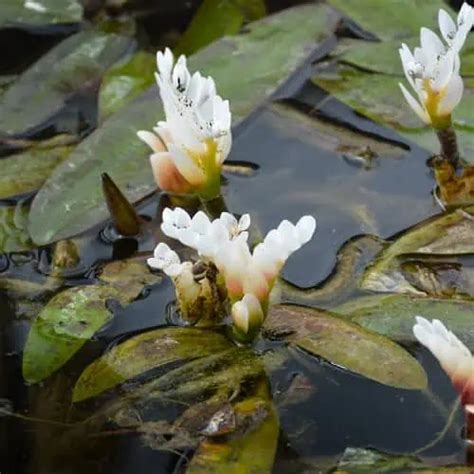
(247, 69)
(43, 89)
(26, 172)
(39, 12)
(63, 327)
(252, 451)
(446, 234)
(14, 235)
(144, 352)
(394, 315)
(217, 18)
(125, 81)
(347, 345)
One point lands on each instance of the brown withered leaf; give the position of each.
(454, 189)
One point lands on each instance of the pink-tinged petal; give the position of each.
(186, 166)
(414, 104)
(452, 96)
(151, 140)
(167, 176)
(241, 316)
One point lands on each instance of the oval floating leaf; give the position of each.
(217, 18)
(144, 352)
(125, 81)
(39, 12)
(26, 172)
(247, 69)
(347, 345)
(447, 234)
(42, 90)
(394, 315)
(63, 327)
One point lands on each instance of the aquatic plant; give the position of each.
(432, 71)
(228, 272)
(190, 146)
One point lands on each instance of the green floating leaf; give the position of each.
(446, 234)
(26, 172)
(217, 18)
(252, 452)
(394, 315)
(247, 70)
(347, 345)
(63, 327)
(144, 352)
(39, 12)
(42, 90)
(123, 82)
(392, 19)
(14, 235)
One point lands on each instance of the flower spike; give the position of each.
(189, 147)
(245, 278)
(454, 357)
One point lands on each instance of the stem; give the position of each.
(214, 207)
(449, 145)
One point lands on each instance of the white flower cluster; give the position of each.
(191, 145)
(432, 70)
(454, 357)
(248, 276)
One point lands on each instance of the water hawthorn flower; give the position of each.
(455, 358)
(432, 70)
(189, 147)
(228, 275)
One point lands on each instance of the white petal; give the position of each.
(446, 25)
(186, 166)
(306, 227)
(200, 223)
(228, 220)
(407, 61)
(444, 70)
(240, 316)
(452, 95)
(431, 44)
(244, 222)
(151, 140)
(164, 62)
(414, 104)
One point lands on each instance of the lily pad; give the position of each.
(144, 352)
(26, 172)
(63, 327)
(254, 451)
(446, 234)
(394, 315)
(247, 69)
(39, 12)
(217, 18)
(125, 81)
(14, 235)
(43, 89)
(392, 19)
(347, 345)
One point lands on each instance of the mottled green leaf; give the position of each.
(14, 235)
(217, 18)
(125, 81)
(42, 90)
(250, 452)
(247, 69)
(392, 19)
(144, 352)
(450, 233)
(347, 345)
(26, 172)
(394, 315)
(63, 327)
(39, 12)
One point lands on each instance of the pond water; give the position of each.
(303, 152)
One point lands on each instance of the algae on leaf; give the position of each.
(247, 69)
(14, 235)
(43, 89)
(346, 345)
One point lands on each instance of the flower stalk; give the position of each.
(449, 145)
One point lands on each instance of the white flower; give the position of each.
(167, 260)
(432, 70)
(191, 145)
(454, 357)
